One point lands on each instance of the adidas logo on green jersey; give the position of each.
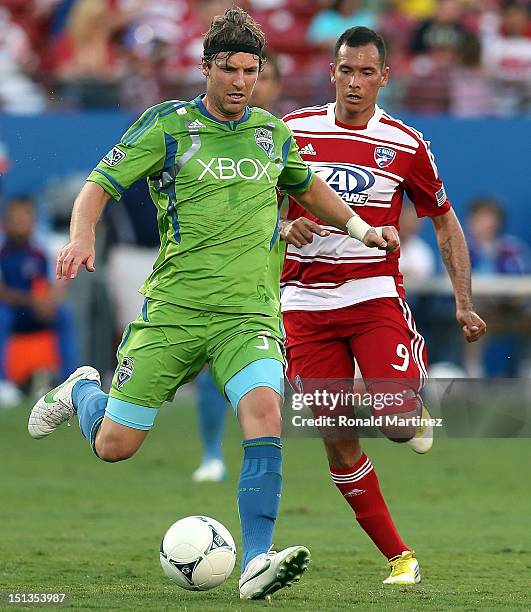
(196, 124)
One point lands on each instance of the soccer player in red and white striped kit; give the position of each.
(343, 302)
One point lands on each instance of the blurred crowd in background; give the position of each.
(468, 58)
(462, 57)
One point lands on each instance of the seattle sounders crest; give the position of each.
(125, 371)
(264, 139)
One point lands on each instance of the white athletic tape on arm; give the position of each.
(357, 228)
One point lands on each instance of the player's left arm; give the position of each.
(454, 252)
(313, 194)
(324, 203)
(425, 188)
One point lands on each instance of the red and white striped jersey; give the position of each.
(370, 168)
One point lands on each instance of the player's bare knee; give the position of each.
(342, 452)
(398, 433)
(399, 415)
(399, 426)
(113, 454)
(113, 449)
(259, 411)
(271, 417)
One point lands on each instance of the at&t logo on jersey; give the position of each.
(349, 181)
(225, 168)
(384, 156)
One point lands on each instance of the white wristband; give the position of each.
(357, 228)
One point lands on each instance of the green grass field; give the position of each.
(70, 523)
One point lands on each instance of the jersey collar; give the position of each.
(331, 117)
(230, 124)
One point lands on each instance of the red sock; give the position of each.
(359, 486)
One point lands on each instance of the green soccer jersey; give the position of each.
(214, 186)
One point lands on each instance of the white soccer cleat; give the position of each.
(423, 440)
(211, 470)
(56, 406)
(271, 571)
(404, 569)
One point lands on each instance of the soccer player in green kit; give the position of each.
(213, 166)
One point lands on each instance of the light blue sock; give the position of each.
(212, 411)
(90, 402)
(259, 494)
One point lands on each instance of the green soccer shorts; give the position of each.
(168, 345)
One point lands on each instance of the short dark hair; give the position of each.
(235, 26)
(21, 199)
(359, 36)
(487, 204)
(15, 201)
(272, 61)
(511, 4)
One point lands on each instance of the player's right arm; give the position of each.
(140, 153)
(87, 210)
(300, 231)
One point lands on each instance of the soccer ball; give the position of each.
(197, 553)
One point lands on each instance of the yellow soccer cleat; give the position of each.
(404, 569)
(423, 439)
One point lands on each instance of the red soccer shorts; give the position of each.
(380, 334)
